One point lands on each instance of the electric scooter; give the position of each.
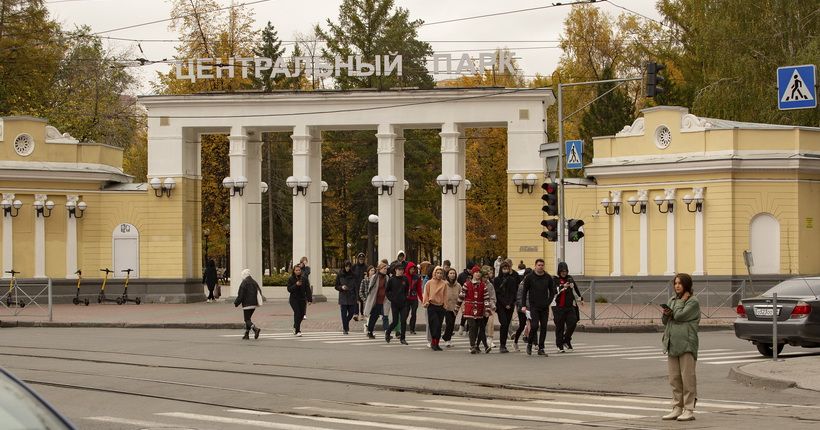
(11, 298)
(102, 298)
(77, 300)
(124, 298)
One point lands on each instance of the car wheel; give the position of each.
(765, 349)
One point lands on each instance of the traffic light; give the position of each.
(573, 232)
(551, 234)
(654, 79)
(550, 198)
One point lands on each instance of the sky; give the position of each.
(531, 35)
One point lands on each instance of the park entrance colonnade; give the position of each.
(176, 122)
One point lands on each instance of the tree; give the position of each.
(375, 27)
(269, 47)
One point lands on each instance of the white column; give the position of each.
(8, 233)
(253, 212)
(40, 240)
(700, 237)
(71, 241)
(617, 266)
(462, 204)
(670, 235)
(389, 205)
(453, 233)
(307, 209)
(398, 191)
(643, 198)
(239, 206)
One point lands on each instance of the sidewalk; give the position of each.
(277, 315)
(796, 372)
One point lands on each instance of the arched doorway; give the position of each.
(764, 239)
(125, 250)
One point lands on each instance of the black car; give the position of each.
(798, 316)
(22, 409)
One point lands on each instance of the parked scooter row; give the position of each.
(11, 297)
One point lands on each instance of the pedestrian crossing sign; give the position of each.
(575, 154)
(796, 87)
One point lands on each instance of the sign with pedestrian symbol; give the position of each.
(575, 154)
(796, 87)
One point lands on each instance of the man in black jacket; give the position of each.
(506, 291)
(347, 286)
(359, 271)
(396, 291)
(537, 293)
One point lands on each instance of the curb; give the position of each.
(748, 379)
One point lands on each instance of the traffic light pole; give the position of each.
(562, 246)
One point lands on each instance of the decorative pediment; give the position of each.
(636, 129)
(691, 122)
(53, 136)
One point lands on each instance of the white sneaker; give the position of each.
(428, 344)
(304, 317)
(449, 344)
(492, 344)
(676, 412)
(299, 334)
(461, 331)
(687, 415)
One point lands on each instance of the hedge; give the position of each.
(281, 280)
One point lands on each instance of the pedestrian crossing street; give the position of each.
(713, 356)
(446, 412)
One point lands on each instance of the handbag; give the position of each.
(217, 291)
(259, 297)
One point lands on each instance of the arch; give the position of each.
(764, 240)
(125, 250)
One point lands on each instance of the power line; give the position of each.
(489, 15)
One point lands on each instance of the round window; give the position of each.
(663, 137)
(24, 144)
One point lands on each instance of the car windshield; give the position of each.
(19, 410)
(798, 287)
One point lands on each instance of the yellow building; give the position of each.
(677, 193)
(69, 206)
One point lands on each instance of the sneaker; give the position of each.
(437, 348)
(569, 347)
(561, 349)
(676, 412)
(304, 317)
(345, 332)
(460, 331)
(529, 349)
(355, 317)
(371, 336)
(246, 335)
(256, 331)
(387, 336)
(542, 352)
(403, 342)
(687, 415)
(429, 345)
(473, 350)
(299, 334)
(492, 344)
(413, 332)
(449, 344)
(503, 350)
(488, 349)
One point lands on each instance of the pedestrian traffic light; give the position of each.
(573, 232)
(550, 198)
(654, 79)
(551, 234)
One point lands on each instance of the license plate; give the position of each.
(765, 312)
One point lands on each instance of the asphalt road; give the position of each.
(211, 379)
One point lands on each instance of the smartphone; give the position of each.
(665, 306)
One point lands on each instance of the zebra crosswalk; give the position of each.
(712, 356)
(445, 412)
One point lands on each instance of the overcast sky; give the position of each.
(531, 35)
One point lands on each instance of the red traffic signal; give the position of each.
(550, 198)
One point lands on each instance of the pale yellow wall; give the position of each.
(523, 223)
(808, 220)
(13, 127)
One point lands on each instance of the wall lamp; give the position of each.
(161, 186)
(73, 207)
(522, 183)
(384, 184)
(324, 186)
(449, 183)
(468, 185)
(406, 185)
(615, 204)
(640, 200)
(235, 185)
(7, 206)
(298, 185)
(670, 203)
(41, 207)
(263, 187)
(697, 199)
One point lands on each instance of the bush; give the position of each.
(281, 280)
(601, 299)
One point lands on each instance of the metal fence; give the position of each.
(25, 297)
(716, 302)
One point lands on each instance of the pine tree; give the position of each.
(269, 47)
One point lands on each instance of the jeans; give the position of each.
(540, 318)
(375, 313)
(435, 318)
(505, 319)
(565, 322)
(414, 307)
(450, 325)
(399, 310)
(299, 308)
(247, 314)
(347, 314)
(477, 333)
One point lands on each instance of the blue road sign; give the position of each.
(796, 87)
(575, 154)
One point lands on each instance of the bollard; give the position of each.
(592, 300)
(774, 326)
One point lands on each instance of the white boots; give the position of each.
(676, 412)
(687, 415)
(680, 415)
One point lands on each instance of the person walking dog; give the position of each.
(681, 317)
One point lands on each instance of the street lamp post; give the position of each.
(372, 220)
(227, 250)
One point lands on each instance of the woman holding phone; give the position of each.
(300, 296)
(681, 317)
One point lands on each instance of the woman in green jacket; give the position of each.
(680, 343)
